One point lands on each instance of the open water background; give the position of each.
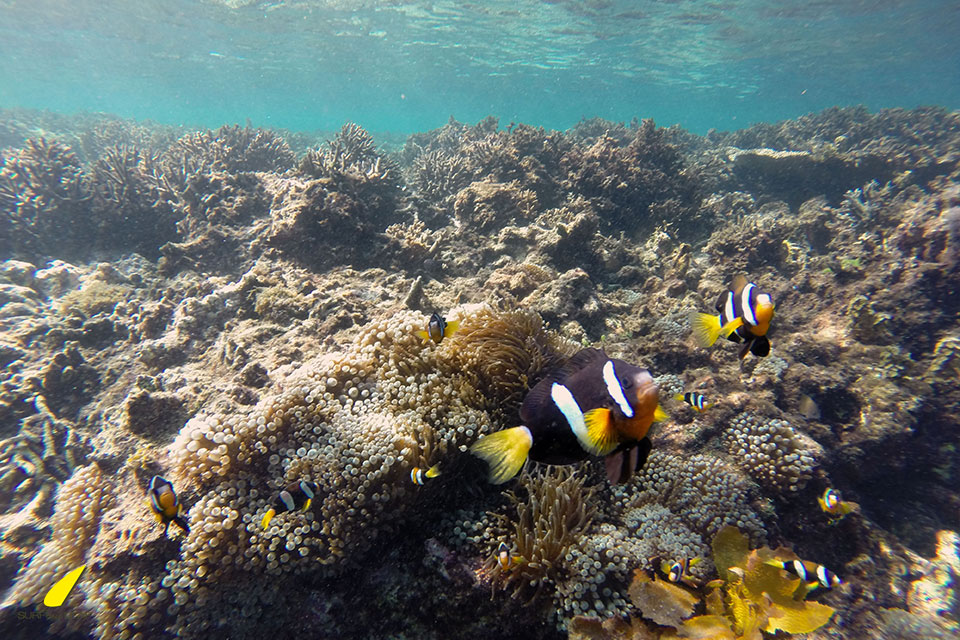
(409, 66)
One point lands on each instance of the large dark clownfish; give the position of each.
(165, 504)
(745, 315)
(593, 406)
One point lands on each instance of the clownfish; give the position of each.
(296, 495)
(832, 502)
(419, 476)
(812, 574)
(679, 571)
(505, 559)
(438, 328)
(744, 316)
(693, 399)
(165, 504)
(592, 406)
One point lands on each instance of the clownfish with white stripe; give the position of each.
(166, 505)
(693, 399)
(438, 328)
(296, 495)
(592, 406)
(419, 475)
(833, 504)
(813, 575)
(505, 559)
(679, 571)
(744, 316)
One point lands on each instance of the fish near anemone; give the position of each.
(296, 495)
(166, 505)
(593, 405)
(419, 475)
(438, 328)
(679, 571)
(744, 316)
(505, 559)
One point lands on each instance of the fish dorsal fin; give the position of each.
(583, 358)
(739, 282)
(539, 396)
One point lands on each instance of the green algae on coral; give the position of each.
(95, 296)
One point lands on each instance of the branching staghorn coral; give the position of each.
(43, 199)
(231, 149)
(41, 456)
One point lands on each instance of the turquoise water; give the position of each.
(407, 66)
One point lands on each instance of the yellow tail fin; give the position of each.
(433, 471)
(451, 328)
(267, 518)
(424, 335)
(706, 328)
(505, 451)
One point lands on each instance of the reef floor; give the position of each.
(237, 311)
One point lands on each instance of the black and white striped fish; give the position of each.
(812, 574)
(693, 399)
(744, 316)
(419, 475)
(594, 405)
(296, 495)
(438, 328)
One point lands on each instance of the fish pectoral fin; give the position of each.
(504, 451)
(58, 592)
(602, 437)
(268, 516)
(181, 522)
(706, 328)
(730, 327)
(659, 415)
(306, 505)
(451, 328)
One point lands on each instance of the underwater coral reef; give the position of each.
(228, 331)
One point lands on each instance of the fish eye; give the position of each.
(626, 382)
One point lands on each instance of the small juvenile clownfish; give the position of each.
(832, 502)
(296, 495)
(419, 476)
(592, 406)
(438, 328)
(505, 559)
(744, 316)
(165, 504)
(693, 399)
(812, 574)
(679, 571)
